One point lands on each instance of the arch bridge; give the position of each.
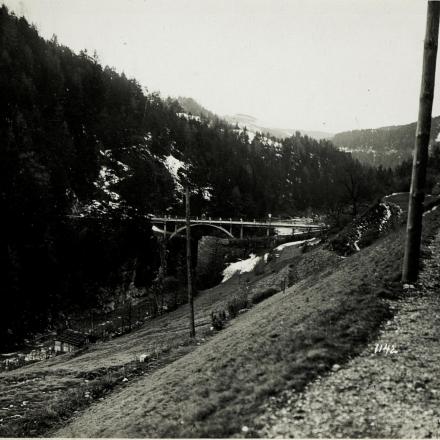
(173, 226)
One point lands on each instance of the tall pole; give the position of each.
(192, 329)
(415, 210)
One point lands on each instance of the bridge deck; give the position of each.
(256, 224)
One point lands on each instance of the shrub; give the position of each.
(236, 304)
(218, 320)
(261, 295)
(259, 268)
(369, 237)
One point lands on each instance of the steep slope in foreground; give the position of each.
(219, 389)
(383, 394)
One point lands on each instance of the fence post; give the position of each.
(192, 330)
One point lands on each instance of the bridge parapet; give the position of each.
(241, 222)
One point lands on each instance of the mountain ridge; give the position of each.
(387, 146)
(253, 125)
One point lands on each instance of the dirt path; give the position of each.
(377, 394)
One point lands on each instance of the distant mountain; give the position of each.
(253, 125)
(387, 146)
(191, 106)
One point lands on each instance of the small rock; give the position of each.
(427, 378)
(336, 367)
(419, 385)
(125, 379)
(244, 429)
(143, 357)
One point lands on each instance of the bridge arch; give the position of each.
(201, 224)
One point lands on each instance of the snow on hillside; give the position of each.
(432, 209)
(251, 133)
(366, 228)
(296, 243)
(110, 174)
(207, 193)
(241, 266)
(174, 165)
(253, 126)
(386, 216)
(394, 194)
(189, 117)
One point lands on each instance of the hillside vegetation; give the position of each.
(385, 146)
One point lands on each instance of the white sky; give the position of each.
(328, 65)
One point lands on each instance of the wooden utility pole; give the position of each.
(415, 210)
(192, 328)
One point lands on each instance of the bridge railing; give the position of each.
(298, 222)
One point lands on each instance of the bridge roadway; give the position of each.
(229, 223)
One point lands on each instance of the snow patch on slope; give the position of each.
(174, 165)
(432, 209)
(207, 193)
(386, 216)
(295, 243)
(110, 174)
(189, 117)
(241, 266)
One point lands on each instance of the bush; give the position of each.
(261, 295)
(259, 268)
(236, 304)
(218, 320)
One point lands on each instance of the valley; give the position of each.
(327, 309)
(169, 272)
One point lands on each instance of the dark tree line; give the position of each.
(67, 124)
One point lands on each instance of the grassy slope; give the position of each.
(215, 388)
(283, 342)
(66, 379)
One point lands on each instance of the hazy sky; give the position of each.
(328, 65)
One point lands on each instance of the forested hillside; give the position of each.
(386, 146)
(86, 153)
